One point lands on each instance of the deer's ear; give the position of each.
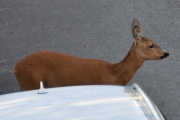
(136, 30)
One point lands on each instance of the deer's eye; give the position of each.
(152, 46)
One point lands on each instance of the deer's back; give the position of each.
(57, 69)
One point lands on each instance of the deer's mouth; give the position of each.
(166, 54)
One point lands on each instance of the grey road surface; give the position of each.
(98, 29)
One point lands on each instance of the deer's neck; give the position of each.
(126, 69)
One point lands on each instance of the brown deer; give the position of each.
(57, 69)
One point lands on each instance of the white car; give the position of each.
(89, 102)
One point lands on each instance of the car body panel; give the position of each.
(97, 102)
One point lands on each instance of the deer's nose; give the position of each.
(166, 54)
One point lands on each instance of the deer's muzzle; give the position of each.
(166, 54)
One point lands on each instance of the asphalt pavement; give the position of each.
(98, 29)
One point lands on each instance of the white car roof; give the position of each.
(91, 102)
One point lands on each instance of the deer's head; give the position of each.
(146, 49)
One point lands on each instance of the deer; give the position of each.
(58, 69)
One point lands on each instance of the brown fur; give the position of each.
(57, 69)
